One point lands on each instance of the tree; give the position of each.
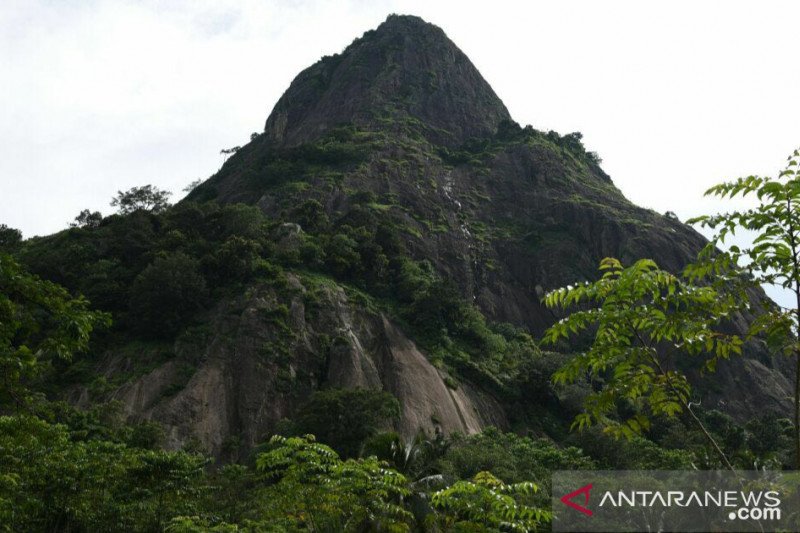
(415, 459)
(342, 255)
(311, 216)
(49, 481)
(39, 322)
(641, 319)
(227, 152)
(509, 456)
(144, 198)
(10, 238)
(193, 185)
(317, 491)
(87, 219)
(486, 500)
(166, 294)
(234, 260)
(345, 418)
(773, 258)
(165, 481)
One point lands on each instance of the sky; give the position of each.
(100, 96)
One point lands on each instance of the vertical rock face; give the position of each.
(239, 392)
(404, 66)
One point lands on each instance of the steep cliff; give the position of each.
(265, 351)
(406, 66)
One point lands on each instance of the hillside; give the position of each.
(392, 228)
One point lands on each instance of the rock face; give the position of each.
(405, 65)
(250, 374)
(401, 126)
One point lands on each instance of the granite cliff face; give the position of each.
(405, 66)
(401, 128)
(251, 374)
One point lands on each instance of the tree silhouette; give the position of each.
(144, 198)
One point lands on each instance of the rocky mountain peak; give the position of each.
(406, 67)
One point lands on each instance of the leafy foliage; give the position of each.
(39, 322)
(642, 317)
(772, 259)
(10, 238)
(509, 456)
(345, 418)
(166, 293)
(49, 482)
(318, 490)
(416, 459)
(217, 246)
(487, 500)
(87, 219)
(144, 198)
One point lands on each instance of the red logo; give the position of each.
(567, 499)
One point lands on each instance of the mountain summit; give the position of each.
(405, 66)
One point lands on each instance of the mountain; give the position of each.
(406, 66)
(415, 227)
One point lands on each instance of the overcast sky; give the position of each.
(105, 95)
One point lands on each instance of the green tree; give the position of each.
(488, 502)
(161, 483)
(193, 185)
(317, 491)
(342, 255)
(415, 459)
(311, 216)
(10, 238)
(345, 418)
(234, 260)
(51, 482)
(772, 259)
(510, 456)
(87, 219)
(234, 486)
(39, 322)
(642, 318)
(166, 294)
(144, 198)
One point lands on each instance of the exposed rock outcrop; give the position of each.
(405, 64)
(249, 375)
